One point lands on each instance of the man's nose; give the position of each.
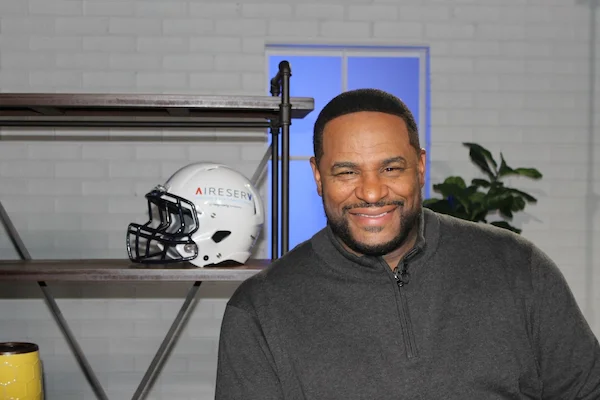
(371, 188)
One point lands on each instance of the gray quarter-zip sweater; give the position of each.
(479, 313)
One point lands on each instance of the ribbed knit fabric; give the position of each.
(484, 315)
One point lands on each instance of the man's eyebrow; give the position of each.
(392, 160)
(349, 164)
(343, 164)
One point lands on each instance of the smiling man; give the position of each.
(393, 301)
(372, 176)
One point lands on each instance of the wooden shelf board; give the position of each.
(122, 270)
(104, 109)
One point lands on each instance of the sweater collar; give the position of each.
(329, 248)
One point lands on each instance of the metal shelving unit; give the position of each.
(273, 112)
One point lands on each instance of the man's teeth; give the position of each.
(373, 216)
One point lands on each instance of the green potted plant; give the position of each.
(482, 197)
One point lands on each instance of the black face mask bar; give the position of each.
(172, 222)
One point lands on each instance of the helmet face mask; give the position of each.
(205, 213)
(172, 222)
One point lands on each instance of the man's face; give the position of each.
(370, 179)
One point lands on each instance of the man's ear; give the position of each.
(422, 163)
(316, 175)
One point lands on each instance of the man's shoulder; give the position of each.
(471, 233)
(278, 275)
(469, 242)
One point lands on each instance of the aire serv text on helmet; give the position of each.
(224, 192)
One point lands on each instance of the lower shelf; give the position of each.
(123, 270)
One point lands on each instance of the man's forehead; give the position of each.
(364, 142)
(369, 117)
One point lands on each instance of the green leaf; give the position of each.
(443, 206)
(439, 205)
(479, 209)
(495, 200)
(483, 159)
(449, 189)
(528, 172)
(504, 168)
(506, 211)
(479, 216)
(456, 180)
(483, 196)
(480, 183)
(529, 198)
(505, 225)
(518, 204)
(507, 204)
(478, 197)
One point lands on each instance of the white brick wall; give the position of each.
(509, 74)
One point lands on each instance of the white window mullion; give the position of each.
(344, 56)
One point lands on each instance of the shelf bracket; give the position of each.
(167, 345)
(54, 309)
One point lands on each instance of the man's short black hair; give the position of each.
(363, 100)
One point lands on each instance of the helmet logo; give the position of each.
(222, 192)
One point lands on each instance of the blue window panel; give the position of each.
(321, 77)
(396, 75)
(318, 77)
(306, 215)
(400, 76)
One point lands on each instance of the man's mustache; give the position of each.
(377, 204)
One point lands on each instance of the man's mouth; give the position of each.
(377, 211)
(372, 215)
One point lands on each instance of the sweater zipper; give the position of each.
(402, 278)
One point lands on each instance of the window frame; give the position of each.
(371, 51)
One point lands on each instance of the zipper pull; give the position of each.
(404, 277)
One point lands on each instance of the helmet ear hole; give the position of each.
(220, 235)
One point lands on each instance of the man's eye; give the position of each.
(345, 173)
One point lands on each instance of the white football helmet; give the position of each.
(206, 213)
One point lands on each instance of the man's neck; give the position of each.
(392, 259)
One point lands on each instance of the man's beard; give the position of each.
(409, 219)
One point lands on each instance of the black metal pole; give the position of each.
(275, 127)
(274, 193)
(285, 113)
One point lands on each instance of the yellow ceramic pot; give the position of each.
(20, 372)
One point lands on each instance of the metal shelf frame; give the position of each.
(274, 112)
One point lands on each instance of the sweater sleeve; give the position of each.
(245, 367)
(567, 350)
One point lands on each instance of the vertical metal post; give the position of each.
(274, 193)
(285, 113)
(275, 128)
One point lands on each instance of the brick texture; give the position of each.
(511, 74)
